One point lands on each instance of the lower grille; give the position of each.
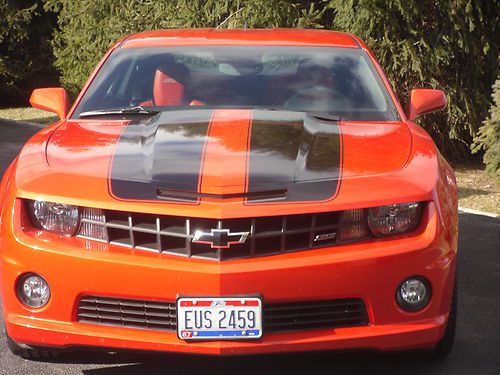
(315, 314)
(128, 313)
(277, 317)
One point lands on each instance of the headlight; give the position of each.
(393, 219)
(55, 217)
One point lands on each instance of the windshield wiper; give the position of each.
(122, 111)
(324, 116)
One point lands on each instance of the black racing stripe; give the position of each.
(294, 152)
(165, 154)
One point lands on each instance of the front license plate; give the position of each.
(219, 318)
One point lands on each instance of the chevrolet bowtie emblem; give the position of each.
(219, 238)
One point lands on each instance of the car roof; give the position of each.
(262, 37)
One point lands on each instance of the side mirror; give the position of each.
(52, 99)
(425, 101)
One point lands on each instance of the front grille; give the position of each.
(266, 235)
(315, 314)
(128, 313)
(277, 317)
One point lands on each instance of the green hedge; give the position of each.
(26, 59)
(420, 43)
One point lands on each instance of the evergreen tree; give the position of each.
(451, 45)
(489, 136)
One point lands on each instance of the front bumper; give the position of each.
(371, 270)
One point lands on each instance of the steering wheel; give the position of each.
(315, 96)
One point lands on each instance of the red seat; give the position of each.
(169, 86)
(167, 91)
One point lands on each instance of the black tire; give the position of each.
(30, 353)
(444, 346)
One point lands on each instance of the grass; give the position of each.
(28, 114)
(476, 190)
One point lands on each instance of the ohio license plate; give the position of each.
(219, 318)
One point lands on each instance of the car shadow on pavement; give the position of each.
(298, 363)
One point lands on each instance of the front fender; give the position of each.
(4, 186)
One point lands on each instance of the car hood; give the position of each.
(254, 155)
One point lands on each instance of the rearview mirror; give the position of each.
(425, 101)
(52, 99)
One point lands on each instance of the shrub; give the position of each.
(488, 138)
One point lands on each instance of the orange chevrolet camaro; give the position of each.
(231, 192)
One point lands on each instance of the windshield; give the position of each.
(339, 81)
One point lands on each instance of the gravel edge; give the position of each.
(477, 212)
(4, 121)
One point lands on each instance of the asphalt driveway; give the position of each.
(476, 351)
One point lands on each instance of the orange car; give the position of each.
(231, 192)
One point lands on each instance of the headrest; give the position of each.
(169, 84)
(309, 66)
(315, 72)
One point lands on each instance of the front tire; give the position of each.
(30, 353)
(444, 346)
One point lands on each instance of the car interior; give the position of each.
(245, 83)
(337, 83)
